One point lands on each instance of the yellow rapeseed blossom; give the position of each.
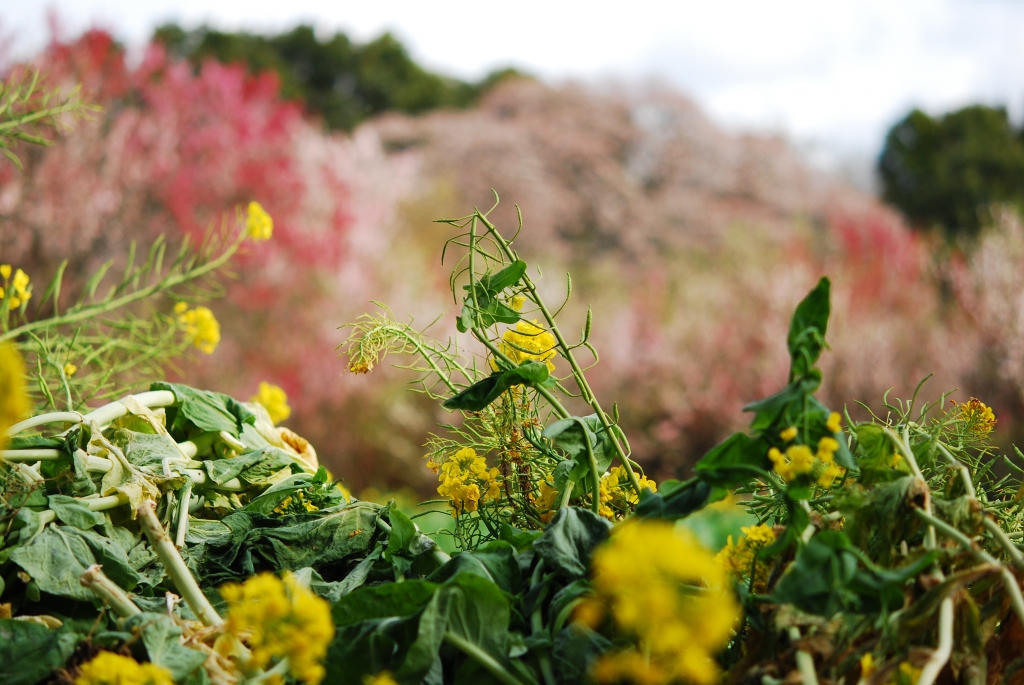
(14, 404)
(617, 494)
(274, 400)
(70, 369)
(835, 422)
(517, 302)
(280, 619)
(639, 576)
(978, 416)
(906, 674)
(298, 504)
(466, 481)
(107, 668)
(789, 433)
(532, 343)
(21, 288)
(797, 460)
(258, 224)
(200, 326)
(867, 665)
(546, 501)
(740, 558)
(382, 678)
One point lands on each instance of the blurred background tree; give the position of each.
(342, 81)
(948, 171)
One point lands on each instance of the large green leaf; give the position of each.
(496, 561)
(674, 500)
(74, 512)
(204, 410)
(807, 329)
(477, 396)
(162, 638)
(145, 449)
(56, 559)
(252, 467)
(29, 652)
(570, 540)
(734, 461)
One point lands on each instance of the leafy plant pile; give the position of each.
(179, 535)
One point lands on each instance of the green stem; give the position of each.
(108, 591)
(92, 311)
(482, 658)
(595, 504)
(581, 380)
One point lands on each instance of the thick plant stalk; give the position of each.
(182, 529)
(940, 657)
(96, 580)
(175, 565)
(804, 661)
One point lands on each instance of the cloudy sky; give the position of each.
(832, 74)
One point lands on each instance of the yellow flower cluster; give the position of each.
(14, 404)
(200, 326)
(107, 668)
(546, 503)
(22, 289)
(978, 416)
(382, 678)
(274, 400)
(617, 494)
(835, 422)
(740, 558)
(798, 460)
(280, 619)
(296, 504)
(258, 224)
(528, 342)
(640, 577)
(466, 481)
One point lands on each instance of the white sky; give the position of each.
(830, 73)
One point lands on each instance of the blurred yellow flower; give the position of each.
(546, 501)
(978, 416)
(789, 433)
(835, 422)
(107, 668)
(382, 678)
(258, 224)
(200, 326)
(21, 287)
(867, 665)
(280, 619)
(517, 302)
(740, 558)
(640, 576)
(274, 400)
(528, 342)
(70, 369)
(14, 404)
(798, 459)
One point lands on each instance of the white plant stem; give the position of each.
(175, 566)
(940, 657)
(107, 590)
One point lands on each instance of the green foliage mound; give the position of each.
(946, 171)
(343, 81)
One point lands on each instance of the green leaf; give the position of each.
(807, 329)
(253, 467)
(204, 410)
(56, 559)
(382, 601)
(505, 278)
(673, 503)
(789, 402)
(145, 449)
(569, 541)
(496, 561)
(570, 436)
(161, 636)
(29, 652)
(478, 612)
(75, 512)
(734, 461)
(477, 396)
